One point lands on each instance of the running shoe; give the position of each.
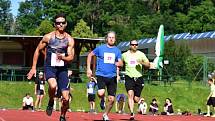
(132, 116)
(49, 108)
(207, 115)
(105, 117)
(62, 118)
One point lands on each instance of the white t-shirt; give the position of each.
(213, 90)
(143, 106)
(27, 101)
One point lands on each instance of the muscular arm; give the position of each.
(89, 58)
(145, 62)
(40, 47)
(70, 50)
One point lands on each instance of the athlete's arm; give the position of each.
(42, 44)
(119, 63)
(89, 58)
(70, 51)
(145, 62)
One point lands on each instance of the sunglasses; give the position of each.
(58, 23)
(134, 44)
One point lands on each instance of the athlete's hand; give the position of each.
(31, 73)
(118, 64)
(118, 78)
(59, 56)
(89, 73)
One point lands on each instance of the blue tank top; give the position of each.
(56, 45)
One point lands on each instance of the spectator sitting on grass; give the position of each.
(168, 108)
(27, 102)
(142, 106)
(120, 103)
(153, 107)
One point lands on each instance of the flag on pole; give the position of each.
(159, 49)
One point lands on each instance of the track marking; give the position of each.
(2, 119)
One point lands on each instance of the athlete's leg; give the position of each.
(37, 101)
(40, 101)
(65, 102)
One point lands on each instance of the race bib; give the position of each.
(90, 90)
(41, 87)
(109, 58)
(55, 61)
(132, 62)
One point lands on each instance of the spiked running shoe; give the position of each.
(105, 117)
(49, 108)
(62, 118)
(132, 116)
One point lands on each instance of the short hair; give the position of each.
(109, 33)
(211, 80)
(60, 15)
(132, 40)
(169, 100)
(27, 94)
(154, 99)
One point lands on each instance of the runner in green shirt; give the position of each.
(134, 62)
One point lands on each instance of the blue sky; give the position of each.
(15, 6)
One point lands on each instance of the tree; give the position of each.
(177, 54)
(201, 18)
(29, 17)
(83, 31)
(2, 30)
(194, 67)
(44, 28)
(6, 18)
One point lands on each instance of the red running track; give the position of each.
(20, 115)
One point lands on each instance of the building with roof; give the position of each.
(16, 53)
(200, 43)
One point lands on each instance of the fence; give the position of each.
(18, 73)
(13, 73)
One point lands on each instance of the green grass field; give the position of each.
(184, 97)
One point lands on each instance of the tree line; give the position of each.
(131, 19)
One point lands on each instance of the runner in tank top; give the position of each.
(59, 53)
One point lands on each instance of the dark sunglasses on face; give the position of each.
(58, 23)
(134, 44)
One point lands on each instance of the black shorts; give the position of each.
(110, 83)
(211, 101)
(40, 92)
(27, 107)
(91, 97)
(135, 84)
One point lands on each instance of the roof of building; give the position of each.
(182, 36)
